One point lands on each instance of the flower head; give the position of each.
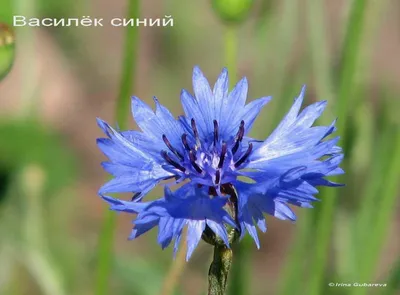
(208, 149)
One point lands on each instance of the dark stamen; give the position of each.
(222, 157)
(239, 137)
(245, 156)
(167, 158)
(215, 132)
(212, 191)
(193, 162)
(195, 132)
(172, 149)
(135, 196)
(217, 177)
(185, 142)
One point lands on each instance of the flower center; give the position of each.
(210, 161)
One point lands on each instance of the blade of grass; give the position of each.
(349, 60)
(380, 159)
(366, 215)
(238, 283)
(292, 277)
(276, 42)
(348, 68)
(178, 266)
(122, 113)
(383, 215)
(319, 53)
(35, 251)
(128, 67)
(393, 283)
(379, 154)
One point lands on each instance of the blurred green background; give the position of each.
(56, 234)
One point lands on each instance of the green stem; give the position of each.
(231, 45)
(129, 61)
(122, 114)
(219, 270)
(29, 79)
(240, 269)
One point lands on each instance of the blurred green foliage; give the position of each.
(29, 142)
(6, 11)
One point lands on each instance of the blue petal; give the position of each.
(247, 223)
(193, 111)
(324, 182)
(290, 117)
(158, 123)
(295, 139)
(232, 106)
(253, 233)
(134, 169)
(112, 151)
(195, 230)
(170, 126)
(177, 242)
(145, 143)
(165, 232)
(188, 205)
(135, 180)
(120, 205)
(248, 114)
(220, 90)
(311, 113)
(141, 229)
(293, 174)
(283, 212)
(143, 115)
(252, 110)
(205, 98)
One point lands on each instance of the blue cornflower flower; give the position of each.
(208, 149)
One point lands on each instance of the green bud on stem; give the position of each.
(232, 11)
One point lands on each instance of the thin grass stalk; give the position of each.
(104, 255)
(348, 68)
(383, 215)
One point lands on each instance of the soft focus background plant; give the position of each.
(64, 77)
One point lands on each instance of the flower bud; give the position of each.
(232, 11)
(7, 49)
